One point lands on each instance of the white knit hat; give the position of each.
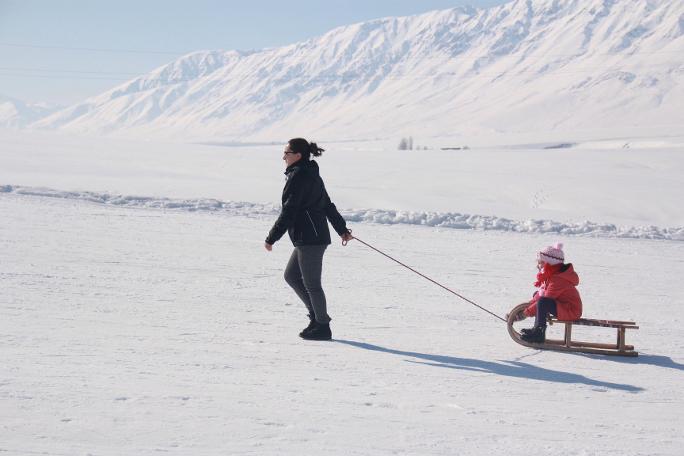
(552, 254)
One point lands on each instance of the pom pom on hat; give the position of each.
(552, 254)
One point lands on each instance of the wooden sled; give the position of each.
(620, 348)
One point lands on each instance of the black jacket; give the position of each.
(306, 206)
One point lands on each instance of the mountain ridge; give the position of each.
(524, 65)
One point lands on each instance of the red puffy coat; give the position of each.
(561, 288)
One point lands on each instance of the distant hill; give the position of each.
(17, 114)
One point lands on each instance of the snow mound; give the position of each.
(388, 217)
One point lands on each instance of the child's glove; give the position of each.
(518, 317)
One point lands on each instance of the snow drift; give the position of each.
(386, 217)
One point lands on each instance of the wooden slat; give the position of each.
(576, 343)
(568, 334)
(593, 351)
(617, 322)
(596, 323)
(595, 320)
(621, 339)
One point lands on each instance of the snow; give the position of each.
(593, 188)
(139, 331)
(388, 217)
(141, 314)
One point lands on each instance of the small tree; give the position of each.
(403, 144)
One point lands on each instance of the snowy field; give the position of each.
(629, 187)
(138, 317)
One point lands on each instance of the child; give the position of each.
(556, 296)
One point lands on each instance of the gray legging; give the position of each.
(303, 274)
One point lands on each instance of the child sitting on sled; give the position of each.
(556, 296)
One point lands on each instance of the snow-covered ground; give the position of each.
(141, 315)
(629, 186)
(146, 331)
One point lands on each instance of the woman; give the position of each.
(305, 214)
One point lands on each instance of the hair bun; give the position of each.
(315, 150)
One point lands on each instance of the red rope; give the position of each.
(425, 277)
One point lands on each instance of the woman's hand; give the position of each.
(268, 246)
(346, 237)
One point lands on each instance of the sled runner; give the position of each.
(620, 348)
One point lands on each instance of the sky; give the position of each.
(61, 52)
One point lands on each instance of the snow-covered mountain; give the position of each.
(16, 113)
(528, 65)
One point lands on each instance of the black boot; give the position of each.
(312, 322)
(526, 331)
(535, 335)
(319, 331)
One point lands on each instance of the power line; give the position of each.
(49, 70)
(67, 48)
(72, 78)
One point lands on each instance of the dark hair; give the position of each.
(302, 146)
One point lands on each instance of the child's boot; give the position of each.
(535, 335)
(528, 331)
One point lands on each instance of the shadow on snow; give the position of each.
(651, 360)
(507, 368)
